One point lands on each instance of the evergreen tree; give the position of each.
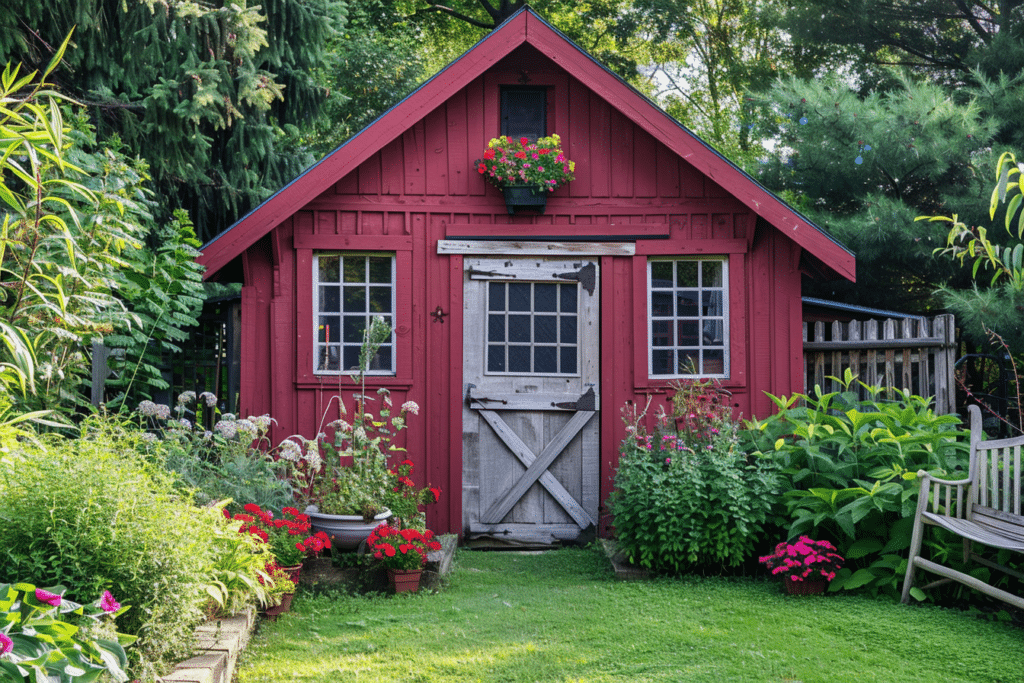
(866, 166)
(211, 94)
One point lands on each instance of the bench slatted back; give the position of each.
(996, 494)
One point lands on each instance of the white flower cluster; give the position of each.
(290, 451)
(262, 423)
(247, 428)
(226, 428)
(186, 397)
(208, 398)
(157, 410)
(312, 455)
(411, 407)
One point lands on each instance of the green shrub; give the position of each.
(851, 468)
(685, 496)
(91, 514)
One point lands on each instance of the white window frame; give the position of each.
(700, 347)
(319, 343)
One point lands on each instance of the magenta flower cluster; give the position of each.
(806, 559)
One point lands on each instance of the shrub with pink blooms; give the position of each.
(804, 560)
(686, 497)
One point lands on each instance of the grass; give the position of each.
(561, 616)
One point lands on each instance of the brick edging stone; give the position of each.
(219, 641)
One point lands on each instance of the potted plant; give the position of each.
(280, 590)
(806, 566)
(345, 481)
(289, 536)
(403, 552)
(526, 171)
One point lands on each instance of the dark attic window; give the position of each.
(524, 112)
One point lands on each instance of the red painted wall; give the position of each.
(423, 187)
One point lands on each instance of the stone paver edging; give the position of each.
(216, 653)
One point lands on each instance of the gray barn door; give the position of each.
(530, 426)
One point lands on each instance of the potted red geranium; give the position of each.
(289, 535)
(403, 552)
(806, 566)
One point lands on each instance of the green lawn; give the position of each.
(561, 616)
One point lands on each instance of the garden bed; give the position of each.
(219, 642)
(324, 572)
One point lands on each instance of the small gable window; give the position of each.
(523, 112)
(688, 317)
(349, 289)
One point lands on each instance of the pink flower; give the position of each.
(6, 644)
(47, 597)
(108, 604)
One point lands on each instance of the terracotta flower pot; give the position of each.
(405, 580)
(286, 605)
(805, 587)
(293, 572)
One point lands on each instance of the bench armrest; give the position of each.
(926, 477)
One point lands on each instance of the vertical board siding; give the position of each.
(422, 184)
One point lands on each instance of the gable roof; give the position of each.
(526, 26)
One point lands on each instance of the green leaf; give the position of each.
(861, 577)
(865, 546)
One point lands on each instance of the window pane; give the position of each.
(661, 363)
(687, 333)
(382, 361)
(496, 296)
(568, 295)
(661, 274)
(686, 273)
(330, 299)
(380, 299)
(712, 303)
(495, 358)
(355, 269)
(328, 358)
(686, 304)
(545, 359)
(518, 296)
(380, 268)
(545, 329)
(713, 333)
(714, 362)
(568, 329)
(519, 328)
(712, 273)
(329, 268)
(689, 362)
(355, 299)
(661, 303)
(519, 359)
(568, 358)
(351, 361)
(661, 333)
(354, 327)
(545, 297)
(496, 328)
(330, 328)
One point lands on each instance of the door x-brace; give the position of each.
(537, 468)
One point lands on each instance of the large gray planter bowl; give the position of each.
(346, 531)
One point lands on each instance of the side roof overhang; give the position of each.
(525, 26)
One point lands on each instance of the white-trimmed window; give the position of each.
(688, 314)
(349, 289)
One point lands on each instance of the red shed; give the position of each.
(520, 336)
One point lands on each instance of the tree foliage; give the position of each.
(866, 166)
(209, 93)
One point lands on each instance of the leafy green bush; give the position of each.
(48, 637)
(851, 467)
(91, 514)
(686, 496)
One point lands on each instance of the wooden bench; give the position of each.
(984, 508)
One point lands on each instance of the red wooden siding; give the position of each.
(422, 187)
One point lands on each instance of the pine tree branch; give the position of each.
(973, 21)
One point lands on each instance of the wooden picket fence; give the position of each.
(912, 353)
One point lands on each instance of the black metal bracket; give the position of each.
(492, 273)
(438, 314)
(586, 276)
(586, 402)
(481, 399)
